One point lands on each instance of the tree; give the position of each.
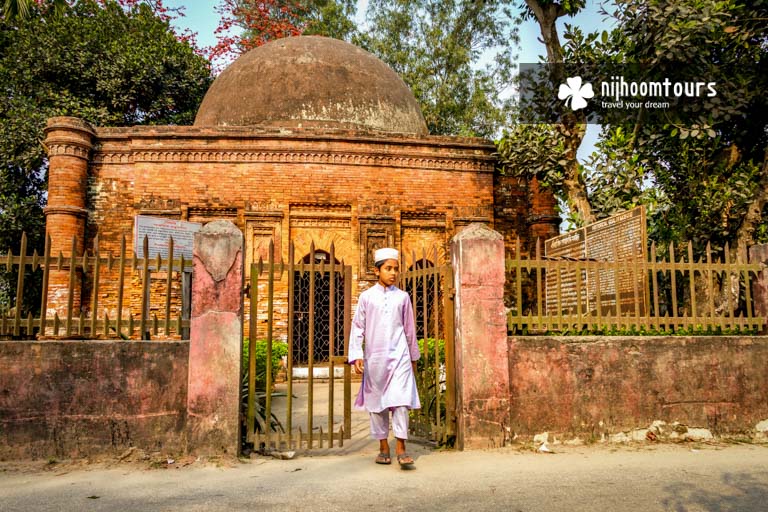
(261, 21)
(437, 47)
(708, 158)
(20, 9)
(105, 63)
(701, 166)
(547, 152)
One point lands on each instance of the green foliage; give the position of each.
(429, 381)
(706, 160)
(331, 18)
(20, 9)
(547, 152)
(428, 354)
(96, 60)
(261, 21)
(700, 168)
(279, 350)
(436, 47)
(564, 7)
(533, 150)
(106, 64)
(617, 178)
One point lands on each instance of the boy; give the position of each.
(384, 318)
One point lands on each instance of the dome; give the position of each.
(311, 82)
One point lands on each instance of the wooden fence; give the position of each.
(97, 295)
(650, 295)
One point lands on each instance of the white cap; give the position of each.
(385, 254)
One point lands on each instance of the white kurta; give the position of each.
(384, 319)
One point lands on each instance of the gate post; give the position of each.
(215, 345)
(482, 365)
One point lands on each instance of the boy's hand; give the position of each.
(358, 366)
(413, 365)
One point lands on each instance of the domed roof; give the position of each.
(315, 82)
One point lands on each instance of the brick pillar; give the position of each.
(216, 337)
(759, 254)
(69, 142)
(482, 366)
(543, 220)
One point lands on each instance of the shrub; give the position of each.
(279, 350)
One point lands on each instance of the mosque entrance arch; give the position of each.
(318, 310)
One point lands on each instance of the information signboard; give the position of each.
(159, 231)
(622, 238)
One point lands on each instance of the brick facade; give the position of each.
(357, 190)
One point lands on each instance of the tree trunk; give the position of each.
(573, 123)
(547, 16)
(576, 190)
(745, 234)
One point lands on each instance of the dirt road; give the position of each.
(616, 478)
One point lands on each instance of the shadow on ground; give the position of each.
(742, 492)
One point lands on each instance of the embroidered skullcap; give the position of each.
(385, 254)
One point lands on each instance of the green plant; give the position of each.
(279, 350)
(428, 353)
(430, 382)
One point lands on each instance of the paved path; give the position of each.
(594, 478)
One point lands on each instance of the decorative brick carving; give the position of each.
(153, 203)
(258, 234)
(344, 246)
(64, 149)
(464, 215)
(123, 157)
(210, 213)
(374, 235)
(421, 242)
(367, 159)
(260, 207)
(319, 222)
(423, 218)
(321, 215)
(376, 210)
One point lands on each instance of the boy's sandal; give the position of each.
(405, 460)
(383, 458)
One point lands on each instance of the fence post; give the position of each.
(215, 346)
(758, 254)
(482, 365)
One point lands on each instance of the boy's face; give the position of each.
(388, 272)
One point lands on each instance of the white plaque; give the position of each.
(159, 231)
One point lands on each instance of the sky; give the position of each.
(200, 16)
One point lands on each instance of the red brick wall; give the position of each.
(69, 142)
(356, 190)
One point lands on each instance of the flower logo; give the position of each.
(577, 93)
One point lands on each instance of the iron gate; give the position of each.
(315, 295)
(432, 297)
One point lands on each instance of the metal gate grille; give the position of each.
(431, 291)
(273, 419)
(322, 319)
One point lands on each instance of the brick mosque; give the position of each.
(305, 139)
